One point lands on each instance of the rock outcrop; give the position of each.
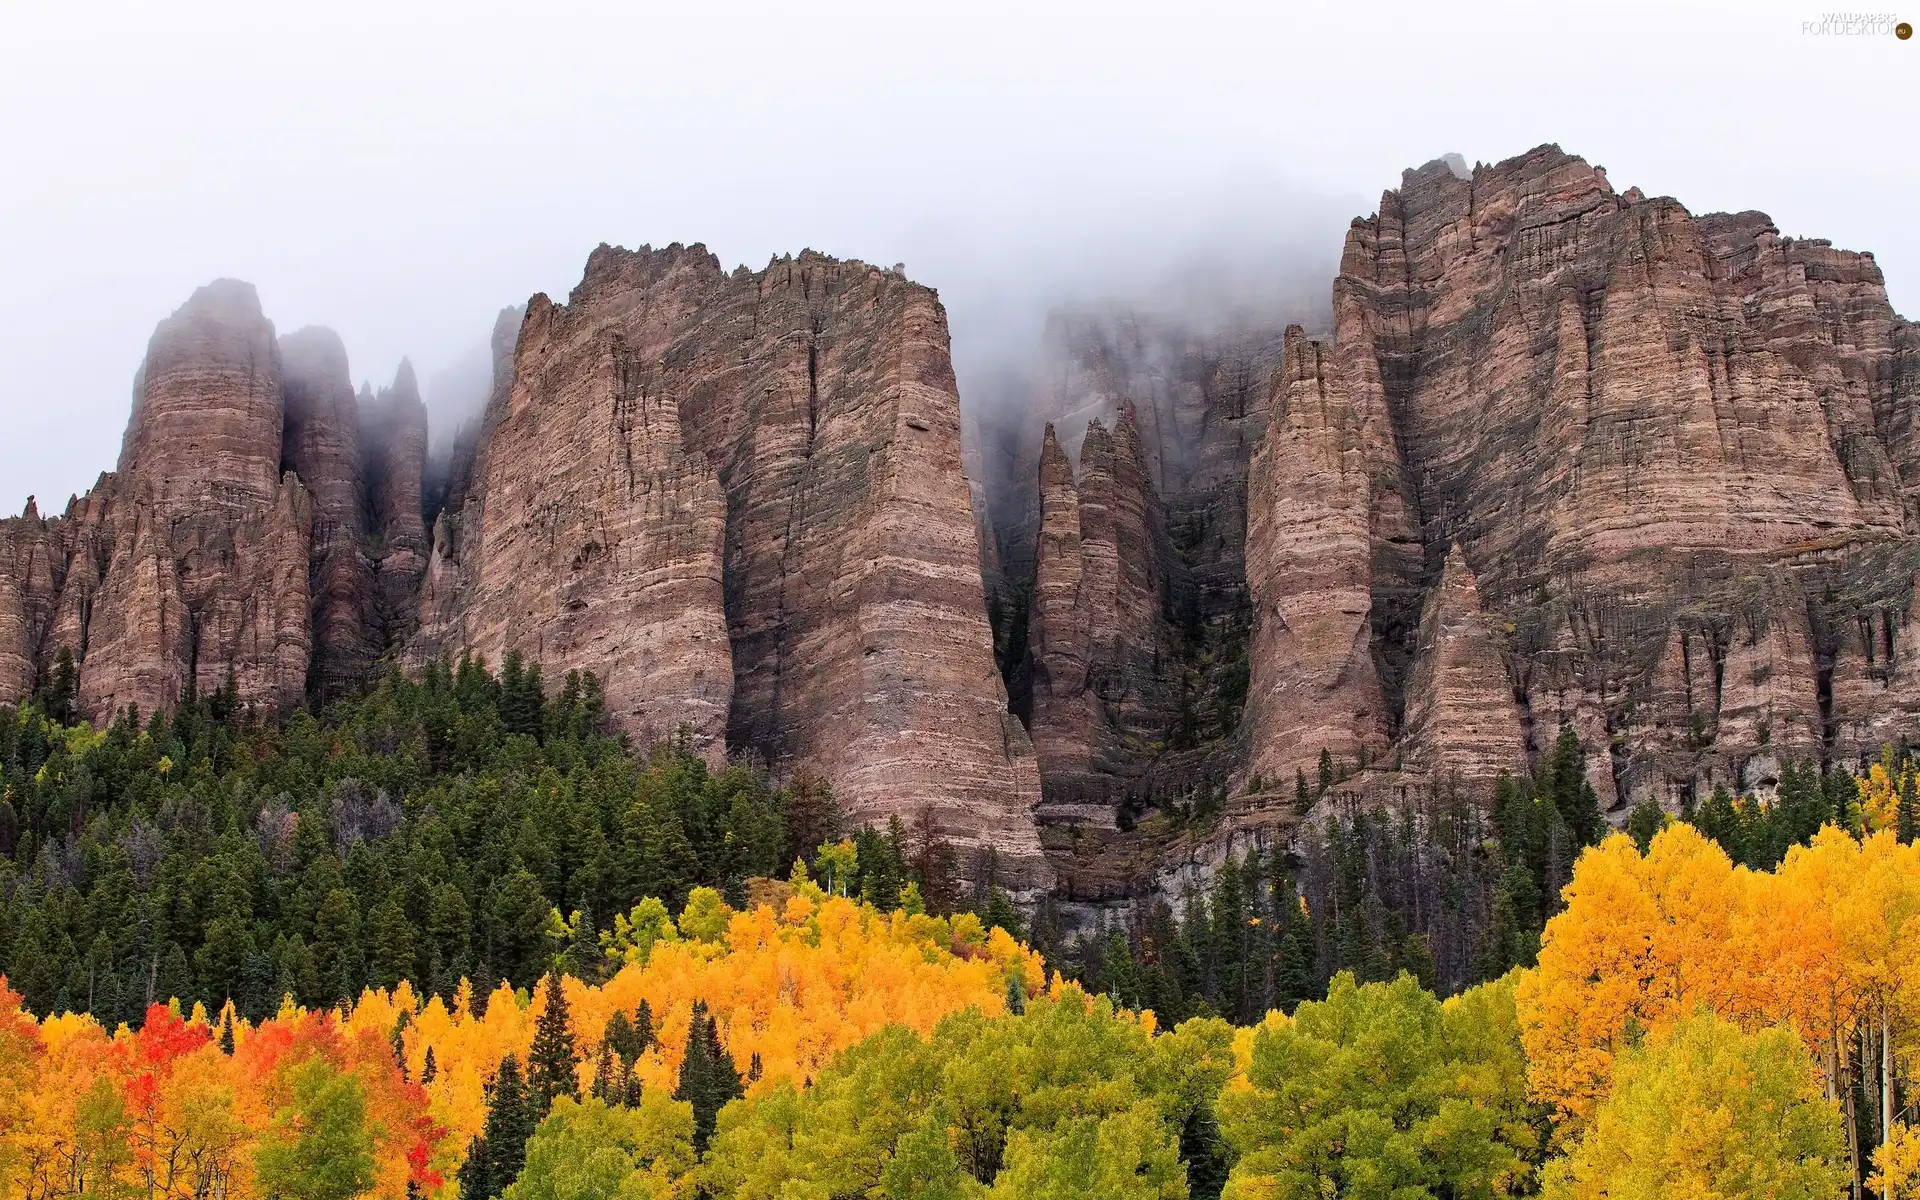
(1113, 507)
(393, 440)
(188, 567)
(738, 498)
(227, 549)
(1311, 502)
(1677, 450)
(322, 447)
(1460, 713)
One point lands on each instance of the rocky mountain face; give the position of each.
(245, 538)
(1654, 465)
(1565, 455)
(738, 498)
(1118, 583)
(187, 568)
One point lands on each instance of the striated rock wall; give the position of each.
(1310, 533)
(230, 547)
(321, 444)
(1677, 450)
(738, 497)
(188, 567)
(393, 440)
(1120, 600)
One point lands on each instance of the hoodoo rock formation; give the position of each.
(738, 498)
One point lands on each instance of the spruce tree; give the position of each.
(645, 1037)
(474, 1176)
(708, 1078)
(583, 953)
(552, 1062)
(608, 1087)
(1645, 821)
(511, 1120)
(1204, 1152)
(1566, 785)
(618, 1036)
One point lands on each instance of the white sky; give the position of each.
(400, 171)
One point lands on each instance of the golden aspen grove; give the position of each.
(355, 955)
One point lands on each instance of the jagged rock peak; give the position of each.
(207, 414)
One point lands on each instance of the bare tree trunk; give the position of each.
(1886, 1089)
(1853, 1116)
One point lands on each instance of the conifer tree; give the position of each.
(511, 1120)
(552, 1062)
(475, 1176)
(608, 1087)
(708, 1078)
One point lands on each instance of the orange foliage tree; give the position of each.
(166, 1112)
(788, 989)
(1828, 944)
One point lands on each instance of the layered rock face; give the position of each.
(228, 547)
(1676, 452)
(188, 567)
(1116, 499)
(1322, 476)
(322, 446)
(393, 438)
(738, 498)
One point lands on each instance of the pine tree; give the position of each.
(645, 1036)
(1645, 821)
(428, 1069)
(1204, 1152)
(475, 1177)
(511, 1120)
(708, 1078)
(583, 953)
(1326, 771)
(608, 1087)
(552, 1062)
(57, 694)
(1565, 783)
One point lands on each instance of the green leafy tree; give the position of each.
(1712, 1112)
(1382, 1090)
(318, 1147)
(588, 1150)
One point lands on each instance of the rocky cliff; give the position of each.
(187, 568)
(229, 547)
(1115, 496)
(393, 436)
(1614, 465)
(738, 498)
(321, 444)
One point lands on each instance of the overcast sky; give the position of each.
(400, 171)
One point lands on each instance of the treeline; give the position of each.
(1440, 885)
(465, 825)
